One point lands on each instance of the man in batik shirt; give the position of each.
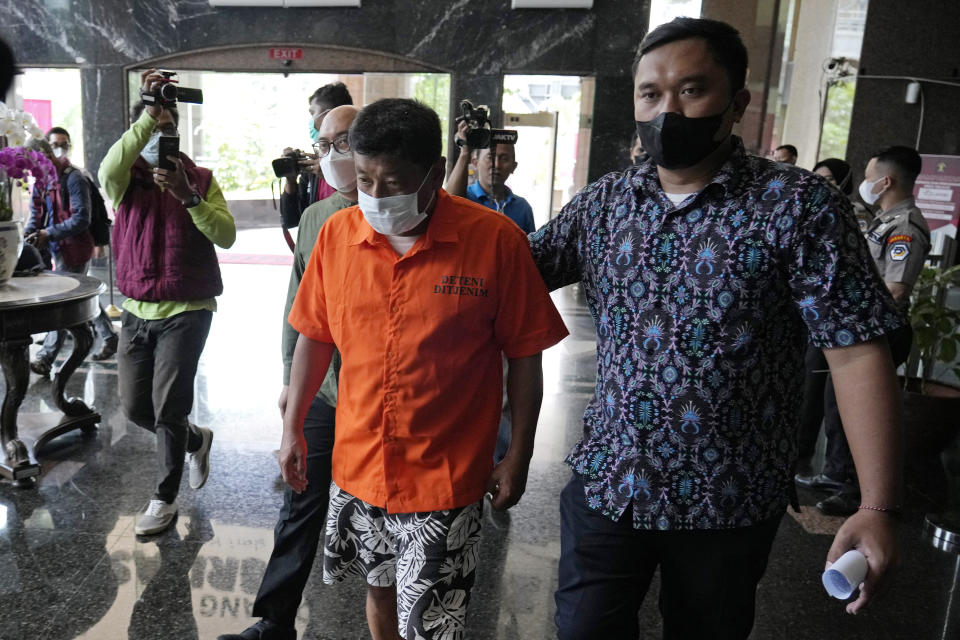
(707, 272)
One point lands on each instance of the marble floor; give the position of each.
(71, 566)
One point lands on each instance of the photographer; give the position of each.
(308, 186)
(490, 189)
(167, 222)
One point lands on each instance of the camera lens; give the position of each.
(168, 92)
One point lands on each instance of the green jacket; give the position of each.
(310, 222)
(211, 216)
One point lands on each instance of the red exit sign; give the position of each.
(286, 54)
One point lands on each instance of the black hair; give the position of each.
(399, 128)
(59, 131)
(722, 40)
(905, 162)
(138, 108)
(789, 148)
(331, 95)
(841, 173)
(7, 69)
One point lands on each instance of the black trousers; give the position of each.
(156, 365)
(811, 416)
(301, 525)
(838, 461)
(708, 578)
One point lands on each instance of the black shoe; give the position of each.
(839, 504)
(107, 350)
(40, 367)
(805, 468)
(818, 481)
(263, 630)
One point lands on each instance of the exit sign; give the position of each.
(286, 54)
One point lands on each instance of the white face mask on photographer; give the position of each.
(151, 152)
(866, 191)
(59, 152)
(339, 171)
(394, 215)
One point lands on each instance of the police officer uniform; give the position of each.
(899, 241)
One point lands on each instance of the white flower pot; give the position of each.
(11, 242)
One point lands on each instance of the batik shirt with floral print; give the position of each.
(703, 312)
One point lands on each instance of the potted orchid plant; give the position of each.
(17, 165)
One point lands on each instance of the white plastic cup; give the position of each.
(845, 575)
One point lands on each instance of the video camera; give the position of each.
(289, 165)
(168, 93)
(480, 135)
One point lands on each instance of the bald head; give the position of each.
(337, 121)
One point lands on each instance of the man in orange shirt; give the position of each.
(421, 292)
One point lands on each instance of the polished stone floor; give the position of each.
(71, 566)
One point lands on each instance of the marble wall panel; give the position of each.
(478, 40)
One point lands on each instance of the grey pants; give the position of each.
(54, 340)
(157, 363)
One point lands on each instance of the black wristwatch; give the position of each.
(194, 200)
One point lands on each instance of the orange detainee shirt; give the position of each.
(420, 337)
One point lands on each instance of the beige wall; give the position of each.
(742, 16)
(801, 126)
(761, 28)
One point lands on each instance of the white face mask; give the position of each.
(59, 152)
(393, 215)
(151, 152)
(339, 171)
(866, 191)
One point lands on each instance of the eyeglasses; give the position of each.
(340, 143)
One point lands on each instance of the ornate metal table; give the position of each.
(28, 305)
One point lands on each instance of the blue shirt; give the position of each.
(514, 207)
(703, 312)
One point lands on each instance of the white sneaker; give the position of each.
(155, 518)
(199, 461)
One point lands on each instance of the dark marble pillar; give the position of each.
(104, 117)
(916, 43)
(478, 88)
(477, 41)
(613, 125)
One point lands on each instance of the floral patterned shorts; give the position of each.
(431, 557)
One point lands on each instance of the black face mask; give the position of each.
(675, 141)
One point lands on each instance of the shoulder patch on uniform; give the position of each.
(900, 237)
(899, 251)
